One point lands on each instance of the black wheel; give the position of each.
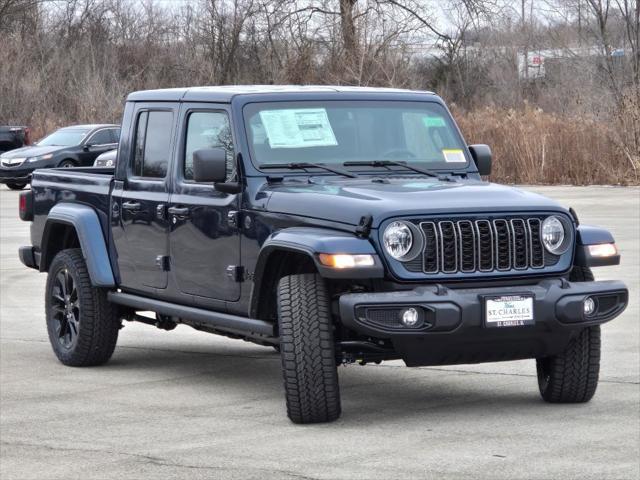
(82, 324)
(16, 186)
(572, 376)
(67, 164)
(307, 349)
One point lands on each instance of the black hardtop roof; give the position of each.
(224, 94)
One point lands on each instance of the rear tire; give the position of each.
(82, 324)
(572, 376)
(16, 186)
(307, 350)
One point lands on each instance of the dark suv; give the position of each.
(335, 224)
(67, 147)
(12, 137)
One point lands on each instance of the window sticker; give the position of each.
(298, 128)
(431, 122)
(453, 156)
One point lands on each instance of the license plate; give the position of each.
(508, 311)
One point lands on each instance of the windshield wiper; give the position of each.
(387, 163)
(305, 165)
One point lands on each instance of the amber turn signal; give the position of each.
(603, 250)
(344, 260)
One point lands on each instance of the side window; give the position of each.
(101, 137)
(208, 130)
(115, 135)
(152, 144)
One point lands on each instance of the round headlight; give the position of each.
(553, 235)
(397, 239)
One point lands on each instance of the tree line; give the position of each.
(571, 68)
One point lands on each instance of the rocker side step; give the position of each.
(224, 321)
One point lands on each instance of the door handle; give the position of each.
(131, 206)
(181, 212)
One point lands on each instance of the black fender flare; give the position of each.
(86, 223)
(311, 241)
(589, 235)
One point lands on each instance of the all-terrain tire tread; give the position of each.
(307, 350)
(99, 323)
(572, 376)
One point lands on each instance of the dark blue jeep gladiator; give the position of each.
(335, 224)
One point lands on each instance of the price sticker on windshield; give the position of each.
(298, 128)
(453, 155)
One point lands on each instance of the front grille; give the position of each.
(12, 162)
(480, 245)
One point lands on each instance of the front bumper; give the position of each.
(15, 175)
(453, 330)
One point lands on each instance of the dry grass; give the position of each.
(529, 146)
(534, 147)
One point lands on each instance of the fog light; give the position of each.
(410, 317)
(589, 306)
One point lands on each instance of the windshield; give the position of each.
(65, 137)
(335, 132)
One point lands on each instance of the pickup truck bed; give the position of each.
(89, 186)
(94, 182)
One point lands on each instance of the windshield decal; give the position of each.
(453, 156)
(298, 128)
(431, 122)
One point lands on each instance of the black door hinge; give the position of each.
(235, 273)
(163, 262)
(364, 227)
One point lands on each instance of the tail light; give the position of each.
(25, 206)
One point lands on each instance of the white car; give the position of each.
(107, 159)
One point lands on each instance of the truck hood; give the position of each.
(346, 201)
(32, 151)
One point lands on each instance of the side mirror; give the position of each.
(210, 165)
(482, 156)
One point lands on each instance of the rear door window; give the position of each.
(152, 144)
(115, 135)
(101, 137)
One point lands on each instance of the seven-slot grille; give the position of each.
(466, 245)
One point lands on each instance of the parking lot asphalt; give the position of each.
(185, 404)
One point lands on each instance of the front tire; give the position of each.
(307, 350)
(572, 376)
(16, 186)
(82, 324)
(67, 164)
